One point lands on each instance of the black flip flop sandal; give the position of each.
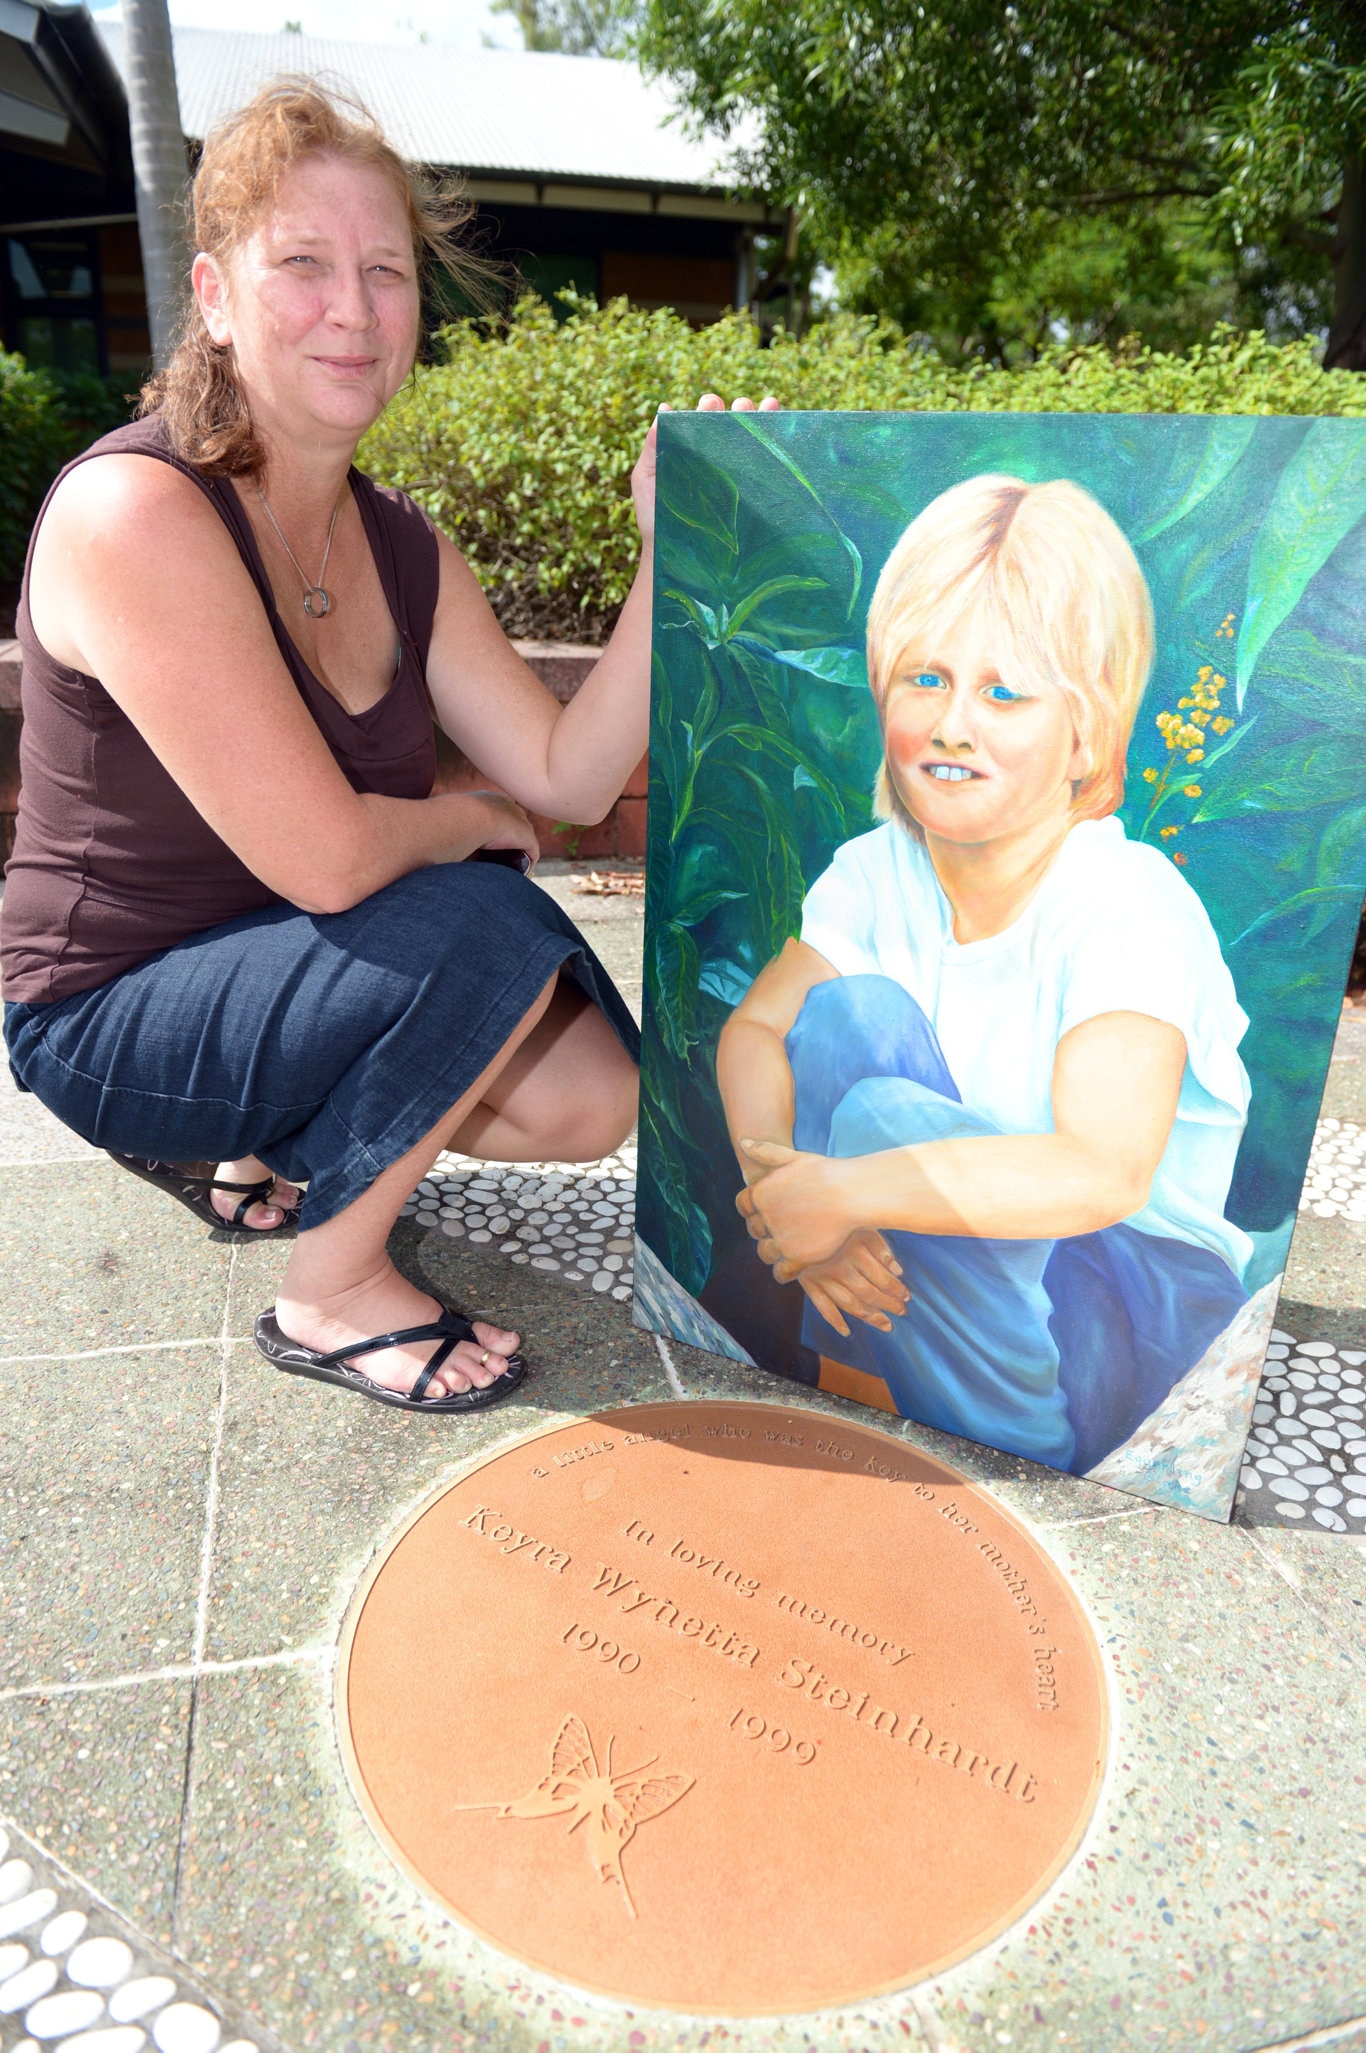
(450, 1329)
(193, 1191)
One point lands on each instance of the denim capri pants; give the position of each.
(327, 1044)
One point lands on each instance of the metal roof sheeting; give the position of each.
(505, 111)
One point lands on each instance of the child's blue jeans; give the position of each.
(1054, 1349)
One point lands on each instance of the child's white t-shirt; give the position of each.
(1114, 927)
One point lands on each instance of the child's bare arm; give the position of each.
(752, 1069)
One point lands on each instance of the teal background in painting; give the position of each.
(770, 534)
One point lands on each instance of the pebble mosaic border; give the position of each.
(64, 1992)
(571, 1219)
(1335, 1182)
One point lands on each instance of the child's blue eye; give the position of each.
(929, 679)
(1002, 695)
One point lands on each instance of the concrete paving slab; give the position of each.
(98, 1776)
(104, 1470)
(1215, 1902)
(91, 1257)
(311, 1476)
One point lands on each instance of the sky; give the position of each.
(458, 24)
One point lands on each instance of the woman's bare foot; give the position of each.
(385, 1304)
(261, 1217)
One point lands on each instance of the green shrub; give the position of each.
(520, 444)
(45, 418)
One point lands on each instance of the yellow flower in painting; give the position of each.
(1187, 732)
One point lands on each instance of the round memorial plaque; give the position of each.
(723, 1707)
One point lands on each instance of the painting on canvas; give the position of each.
(1007, 847)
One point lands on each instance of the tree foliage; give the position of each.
(995, 174)
(579, 28)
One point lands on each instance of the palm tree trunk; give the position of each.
(1346, 349)
(159, 163)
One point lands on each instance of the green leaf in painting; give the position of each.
(832, 666)
(1319, 770)
(1334, 680)
(1319, 498)
(725, 980)
(1326, 899)
(1224, 446)
(676, 987)
(702, 497)
(764, 592)
(700, 617)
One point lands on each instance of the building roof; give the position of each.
(509, 113)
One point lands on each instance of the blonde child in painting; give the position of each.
(987, 1107)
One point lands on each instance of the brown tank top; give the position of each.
(111, 861)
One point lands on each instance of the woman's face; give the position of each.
(320, 303)
(975, 755)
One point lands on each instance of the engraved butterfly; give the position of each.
(612, 1806)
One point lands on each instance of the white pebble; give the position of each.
(1357, 1506)
(1329, 1494)
(1286, 1402)
(510, 1247)
(1354, 1358)
(56, 2016)
(1323, 1438)
(544, 1262)
(1276, 1351)
(64, 1931)
(135, 1999)
(623, 1291)
(521, 1258)
(239, 2046)
(27, 1911)
(1270, 1465)
(1317, 1347)
(99, 1963)
(604, 1280)
(27, 1986)
(453, 1228)
(15, 1878)
(480, 1235)
(1314, 1417)
(622, 1247)
(1285, 1509)
(1285, 1486)
(187, 2028)
(1315, 1474)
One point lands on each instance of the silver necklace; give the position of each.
(312, 592)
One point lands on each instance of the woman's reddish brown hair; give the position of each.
(243, 161)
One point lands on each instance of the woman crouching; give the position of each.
(239, 928)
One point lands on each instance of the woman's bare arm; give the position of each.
(136, 581)
(1116, 1081)
(568, 762)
